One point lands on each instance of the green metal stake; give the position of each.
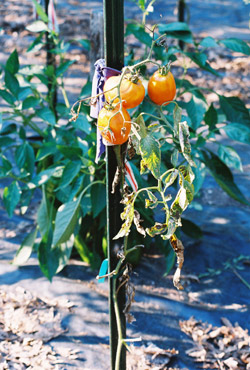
(51, 61)
(114, 55)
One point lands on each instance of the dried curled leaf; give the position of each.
(157, 229)
(137, 222)
(184, 142)
(127, 215)
(152, 202)
(179, 251)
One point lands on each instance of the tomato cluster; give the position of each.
(115, 123)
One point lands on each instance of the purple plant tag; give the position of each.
(102, 73)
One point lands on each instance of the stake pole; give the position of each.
(51, 61)
(114, 56)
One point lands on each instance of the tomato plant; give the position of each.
(132, 91)
(114, 124)
(161, 86)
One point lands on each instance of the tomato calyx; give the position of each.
(109, 106)
(132, 76)
(165, 69)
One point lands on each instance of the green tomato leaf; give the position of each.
(11, 197)
(151, 154)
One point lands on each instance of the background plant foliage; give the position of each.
(41, 152)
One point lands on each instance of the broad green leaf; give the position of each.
(30, 102)
(11, 83)
(12, 64)
(66, 218)
(177, 117)
(238, 132)
(98, 199)
(211, 117)
(142, 127)
(6, 141)
(7, 97)
(46, 115)
(37, 26)
(230, 157)
(237, 45)
(53, 259)
(86, 204)
(208, 42)
(25, 250)
(223, 176)
(82, 123)
(196, 109)
(93, 259)
(70, 171)
(86, 90)
(151, 154)
(200, 174)
(25, 158)
(47, 149)
(71, 152)
(235, 109)
(24, 92)
(11, 197)
(63, 67)
(43, 177)
(41, 12)
(139, 32)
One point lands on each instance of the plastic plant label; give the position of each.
(103, 270)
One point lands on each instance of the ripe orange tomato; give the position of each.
(132, 91)
(120, 124)
(161, 87)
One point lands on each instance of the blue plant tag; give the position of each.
(103, 270)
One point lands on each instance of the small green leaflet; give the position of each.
(103, 270)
